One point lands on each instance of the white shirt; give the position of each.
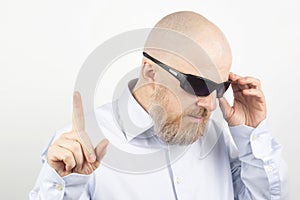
(213, 168)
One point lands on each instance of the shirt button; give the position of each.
(254, 137)
(178, 180)
(269, 168)
(58, 187)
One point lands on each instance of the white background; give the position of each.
(44, 43)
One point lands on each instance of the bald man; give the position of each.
(184, 75)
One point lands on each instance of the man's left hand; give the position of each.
(249, 106)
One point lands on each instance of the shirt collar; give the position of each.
(137, 125)
(133, 120)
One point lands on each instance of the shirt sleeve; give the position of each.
(258, 171)
(50, 185)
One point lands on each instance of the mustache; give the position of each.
(198, 112)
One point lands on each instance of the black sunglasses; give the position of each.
(194, 85)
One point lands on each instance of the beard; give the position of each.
(173, 128)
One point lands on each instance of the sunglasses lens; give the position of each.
(199, 87)
(196, 86)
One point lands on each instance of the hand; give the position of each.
(73, 151)
(249, 106)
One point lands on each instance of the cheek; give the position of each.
(172, 103)
(179, 100)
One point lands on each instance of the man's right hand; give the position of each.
(73, 151)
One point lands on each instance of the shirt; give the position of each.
(242, 163)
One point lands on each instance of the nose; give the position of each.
(208, 102)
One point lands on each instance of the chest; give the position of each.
(188, 178)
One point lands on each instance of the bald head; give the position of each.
(189, 43)
(204, 33)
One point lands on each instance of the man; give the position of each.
(176, 98)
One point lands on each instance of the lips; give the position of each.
(196, 115)
(195, 118)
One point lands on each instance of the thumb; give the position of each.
(87, 146)
(101, 149)
(225, 107)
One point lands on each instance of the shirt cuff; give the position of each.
(67, 187)
(257, 141)
(53, 186)
(76, 184)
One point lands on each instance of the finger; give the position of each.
(234, 77)
(101, 149)
(250, 81)
(244, 82)
(255, 93)
(78, 114)
(225, 108)
(78, 127)
(75, 148)
(64, 155)
(87, 147)
(236, 87)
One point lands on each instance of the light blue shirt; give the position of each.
(243, 164)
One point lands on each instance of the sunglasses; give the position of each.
(192, 84)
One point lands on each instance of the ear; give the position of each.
(148, 72)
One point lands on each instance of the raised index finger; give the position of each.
(79, 128)
(78, 115)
